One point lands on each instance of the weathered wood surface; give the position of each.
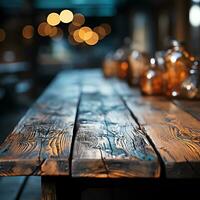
(119, 133)
(40, 143)
(192, 107)
(109, 143)
(174, 133)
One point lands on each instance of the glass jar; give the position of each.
(151, 81)
(190, 88)
(138, 63)
(177, 63)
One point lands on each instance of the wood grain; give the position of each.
(174, 133)
(40, 143)
(115, 131)
(108, 142)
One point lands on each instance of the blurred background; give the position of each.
(38, 38)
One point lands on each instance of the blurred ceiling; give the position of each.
(105, 8)
(74, 3)
(87, 7)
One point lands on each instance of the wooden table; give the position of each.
(86, 126)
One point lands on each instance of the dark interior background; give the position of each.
(27, 65)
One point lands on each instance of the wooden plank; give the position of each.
(10, 187)
(192, 107)
(32, 189)
(175, 133)
(40, 143)
(108, 141)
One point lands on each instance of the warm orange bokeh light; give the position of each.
(107, 28)
(47, 30)
(41, 29)
(2, 35)
(77, 37)
(85, 33)
(53, 31)
(101, 32)
(53, 19)
(28, 32)
(78, 19)
(93, 40)
(66, 16)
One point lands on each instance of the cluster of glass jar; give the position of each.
(173, 73)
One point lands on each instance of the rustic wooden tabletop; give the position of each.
(84, 125)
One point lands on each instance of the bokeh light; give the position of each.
(28, 32)
(47, 30)
(66, 16)
(53, 31)
(78, 19)
(77, 37)
(85, 33)
(2, 35)
(107, 28)
(194, 15)
(53, 19)
(93, 40)
(41, 29)
(100, 31)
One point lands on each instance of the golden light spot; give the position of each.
(93, 40)
(66, 16)
(107, 28)
(101, 31)
(72, 28)
(85, 33)
(78, 19)
(28, 32)
(41, 28)
(77, 37)
(53, 19)
(47, 30)
(53, 32)
(2, 35)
